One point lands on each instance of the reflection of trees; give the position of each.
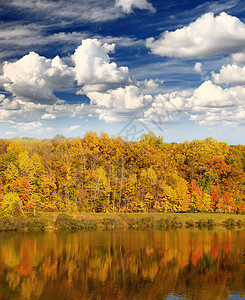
(122, 265)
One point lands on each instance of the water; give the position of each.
(123, 265)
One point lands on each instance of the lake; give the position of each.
(180, 264)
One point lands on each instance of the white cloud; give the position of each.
(198, 67)
(2, 97)
(21, 126)
(230, 74)
(207, 36)
(128, 5)
(209, 95)
(19, 34)
(94, 70)
(211, 104)
(116, 104)
(72, 128)
(150, 84)
(127, 98)
(9, 133)
(109, 116)
(61, 12)
(33, 78)
(48, 117)
(80, 10)
(18, 110)
(238, 58)
(167, 107)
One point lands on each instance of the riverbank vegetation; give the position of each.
(102, 174)
(102, 221)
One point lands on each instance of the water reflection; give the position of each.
(122, 265)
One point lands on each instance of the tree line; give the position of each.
(108, 174)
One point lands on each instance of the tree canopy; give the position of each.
(99, 173)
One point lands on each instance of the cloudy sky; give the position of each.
(123, 67)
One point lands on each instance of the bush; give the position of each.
(20, 222)
(161, 223)
(168, 223)
(176, 223)
(7, 223)
(239, 223)
(230, 223)
(35, 225)
(66, 222)
(211, 223)
(146, 222)
(86, 222)
(132, 222)
(189, 223)
(201, 223)
(113, 222)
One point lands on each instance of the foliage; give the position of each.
(102, 174)
(11, 204)
(35, 224)
(230, 223)
(7, 223)
(66, 222)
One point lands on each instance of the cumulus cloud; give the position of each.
(18, 110)
(209, 35)
(109, 116)
(209, 95)
(230, 74)
(118, 101)
(93, 69)
(128, 5)
(238, 58)
(198, 67)
(211, 104)
(33, 78)
(167, 107)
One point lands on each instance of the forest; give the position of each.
(98, 173)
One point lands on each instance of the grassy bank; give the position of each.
(91, 221)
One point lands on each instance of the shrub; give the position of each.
(146, 222)
(168, 223)
(230, 223)
(66, 222)
(211, 223)
(239, 223)
(7, 223)
(132, 222)
(113, 222)
(189, 223)
(87, 222)
(20, 222)
(201, 223)
(176, 223)
(161, 223)
(35, 225)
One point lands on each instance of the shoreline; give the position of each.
(64, 221)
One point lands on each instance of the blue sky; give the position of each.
(123, 67)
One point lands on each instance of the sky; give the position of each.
(124, 67)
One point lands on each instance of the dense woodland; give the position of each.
(103, 174)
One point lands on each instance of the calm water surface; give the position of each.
(123, 265)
